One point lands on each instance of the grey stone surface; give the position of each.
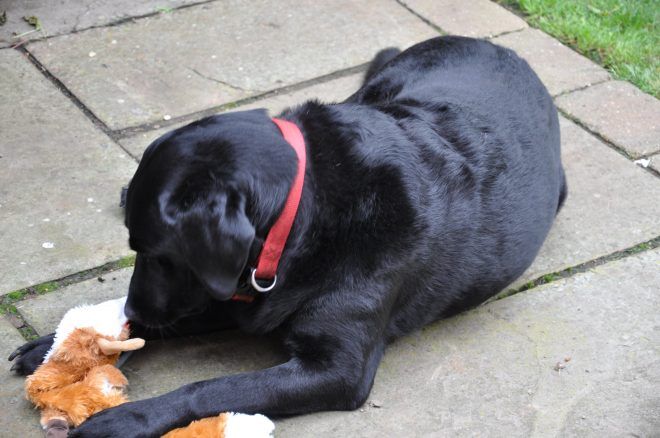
(331, 91)
(45, 312)
(560, 68)
(493, 371)
(474, 18)
(60, 179)
(620, 112)
(163, 366)
(203, 56)
(63, 16)
(611, 205)
(18, 418)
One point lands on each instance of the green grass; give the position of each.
(621, 35)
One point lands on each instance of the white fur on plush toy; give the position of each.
(107, 318)
(248, 426)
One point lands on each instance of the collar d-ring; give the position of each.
(256, 285)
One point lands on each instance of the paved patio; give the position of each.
(571, 349)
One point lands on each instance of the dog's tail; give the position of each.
(381, 58)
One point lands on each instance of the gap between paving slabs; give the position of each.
(600, 137)
(7, 301)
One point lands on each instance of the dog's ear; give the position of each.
(215, 235)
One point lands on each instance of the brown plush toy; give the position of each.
(78, 377)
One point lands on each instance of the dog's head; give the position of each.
(197, 209)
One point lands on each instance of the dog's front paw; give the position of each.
(30, 355)
(129, 420)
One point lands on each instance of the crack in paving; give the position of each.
(227, 84)
(608, 142)
(583, 87)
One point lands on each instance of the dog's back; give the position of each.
(487, 135)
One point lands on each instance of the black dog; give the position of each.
(426, 192)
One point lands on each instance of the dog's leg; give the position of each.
(30, 355)
(335, 350)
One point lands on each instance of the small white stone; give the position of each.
(90, 199)
(23, 263)
(167, 117)
(92, 54)
(98, 210)
(213, 56)
(45, 219)
(48, 245)
(68, 213)
(113, 42)
(120, 101)
(644, 162)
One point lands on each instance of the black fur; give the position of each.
(426, 192)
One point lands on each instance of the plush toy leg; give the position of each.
(226, 425)
(57, 429)
(55, 423)
(106, 377)
(212, 427)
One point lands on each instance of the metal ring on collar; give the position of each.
(256, 286)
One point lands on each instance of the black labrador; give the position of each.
(427, 191)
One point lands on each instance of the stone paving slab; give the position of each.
(611, 205)
(492, 371)
(560, 68)
(45, 312)
(60, 179)
(64, 16)
(18, 418)
(193, 59)
(474, 18)
(331, 91)
(620, 113)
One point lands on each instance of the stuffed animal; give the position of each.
(79, 378)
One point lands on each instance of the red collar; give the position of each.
(269, 258)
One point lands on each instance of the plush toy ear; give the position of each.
(109, 347)
(216, 236)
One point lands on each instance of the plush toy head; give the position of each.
(78, 377)
(106, 325)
